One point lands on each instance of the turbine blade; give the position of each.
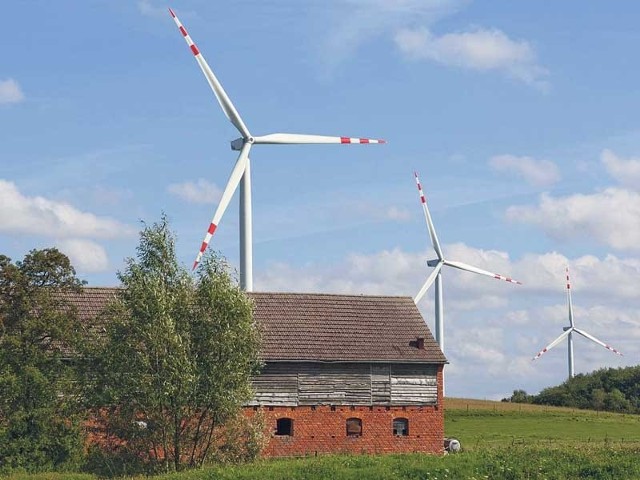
(469, 268)
(224, 101)
(569, 299)
(430, 279)
(427, 216)
(553, 344)
(599, 342)
(296, 138)
(232, 184)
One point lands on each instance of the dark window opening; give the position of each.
(401, 427)
(354, 427)
(284, 426)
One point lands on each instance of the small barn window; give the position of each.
(284, 426)
(400, 427)
(354, 427)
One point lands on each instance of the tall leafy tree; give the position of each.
(40, 427)
(176, 361)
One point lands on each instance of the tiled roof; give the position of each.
(320, 327)
(326, 327)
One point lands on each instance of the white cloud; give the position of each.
(41, 216)
(10, 91)
(85, 255)
(200, 191)
(595, 278)
(389, 272)
(395, 213)
(396, 272)
(393, 272)
(539, 173)
(611, 217)
(485, 349)
(479, 49)
(147, 8)
(625, 171)
(517, 317)
(357, 21)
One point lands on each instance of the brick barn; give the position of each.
(343, 373)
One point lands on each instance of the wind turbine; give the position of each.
(436, 274)
(568, 333)
(241, 173)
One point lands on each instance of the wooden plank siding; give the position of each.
(308, 383)
(411, 383)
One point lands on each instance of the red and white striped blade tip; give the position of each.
(205, 243)
(506, 279)
(196, 261)
(361, 140)
(613, 350)
(540, 354)
(419, 185)
(172, 13)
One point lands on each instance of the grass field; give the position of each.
(479, 424)
(500, 441)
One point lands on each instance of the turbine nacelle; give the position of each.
(433, 263)
(236, 145)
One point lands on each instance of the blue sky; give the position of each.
(521, 118)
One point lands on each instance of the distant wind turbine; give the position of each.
(438, 263)
(241, 173)
(568, 334)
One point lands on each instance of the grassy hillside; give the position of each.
(479, 424)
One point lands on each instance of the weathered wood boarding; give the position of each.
(298, 383)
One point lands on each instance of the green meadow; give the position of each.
(500, 441)
(483, 424)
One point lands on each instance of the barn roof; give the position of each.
(320, 327)
(327, 327)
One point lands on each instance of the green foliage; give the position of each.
(610, 389)
(519, 396)
(177, 358)
(242, 440)
(39, 412)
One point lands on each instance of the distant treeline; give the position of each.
(608, 389)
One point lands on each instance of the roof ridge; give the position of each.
(93, 287)
(325, 294)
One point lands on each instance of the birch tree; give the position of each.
(176, 361)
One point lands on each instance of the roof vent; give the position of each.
(420, 343)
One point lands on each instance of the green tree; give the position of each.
(615, 401)
(598, 397)
(179, 351)
(519, 396)
(40, 427)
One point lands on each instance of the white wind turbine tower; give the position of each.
(241, 173)
(436, 274)
(568, 334)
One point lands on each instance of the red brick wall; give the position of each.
(322, 429)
